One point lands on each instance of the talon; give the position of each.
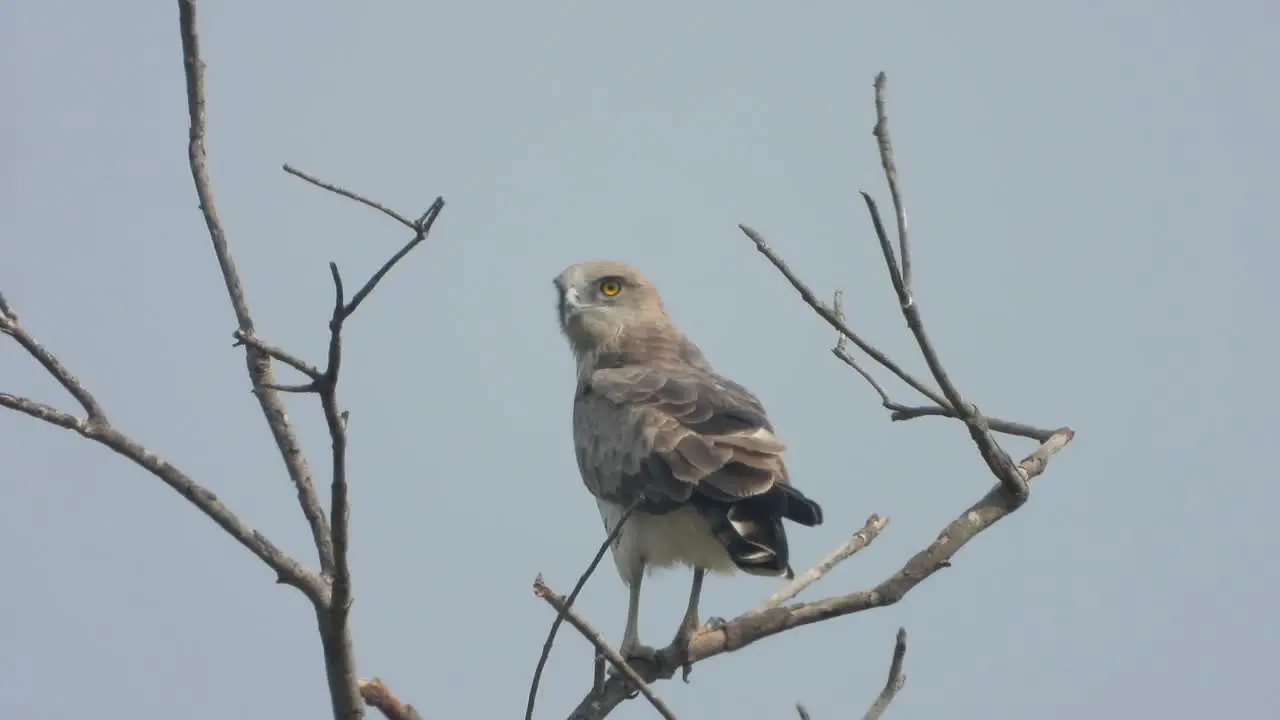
(680, 647)
(715, 623)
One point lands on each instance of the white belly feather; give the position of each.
(680, 537)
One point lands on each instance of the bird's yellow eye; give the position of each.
(609, 288)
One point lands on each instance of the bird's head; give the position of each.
(599, 300)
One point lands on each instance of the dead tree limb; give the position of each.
(329, 589)
(259, 364)
(859, 540)
(896, 679)
(1010, 492)
(891, 686)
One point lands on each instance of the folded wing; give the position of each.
(677, 435)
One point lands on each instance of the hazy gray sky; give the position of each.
(1089, 185)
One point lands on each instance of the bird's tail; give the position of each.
(751, 529)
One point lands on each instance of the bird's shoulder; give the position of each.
(699, 398)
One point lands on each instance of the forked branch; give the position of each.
(98, 428)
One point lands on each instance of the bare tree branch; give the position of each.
(979, 429)
(276, 353)
(841, 350)
(353, 196)
(258, 363)
(627, 675)
(881, 132)
(862, 538)
(829, 315)
(40, 411)
(899, 412)
(422, 227)
(378, 695)
(802, 712)
(9, 326)
(97, 428)
(568, 604)
(339, 653)
(896, 679)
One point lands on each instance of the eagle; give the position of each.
(655, 429)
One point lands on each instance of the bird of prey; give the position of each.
(654, 425)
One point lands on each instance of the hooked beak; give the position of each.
(569, 304)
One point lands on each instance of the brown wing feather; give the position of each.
(676, 435)
(708, 435)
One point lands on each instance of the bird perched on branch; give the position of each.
(654, 425)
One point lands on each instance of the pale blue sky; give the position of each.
(1089, 185)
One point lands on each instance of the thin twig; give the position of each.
(293, 361)
(900, 413)
(896, 679)
(422, 229)
(602, 647)
(881, 132)
(911, 311)
(1035, 463)
(259, 364)
(859, 540)
(568, 604)
(829, 315)
(287, 570)
(998, 461)
(841, 351)
(294, 388)
(6, 313)
(40, 411)
(351, 195)
(847, 359)
(378, 695)
(51, 364)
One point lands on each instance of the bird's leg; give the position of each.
(690, 621)
(631, 646)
